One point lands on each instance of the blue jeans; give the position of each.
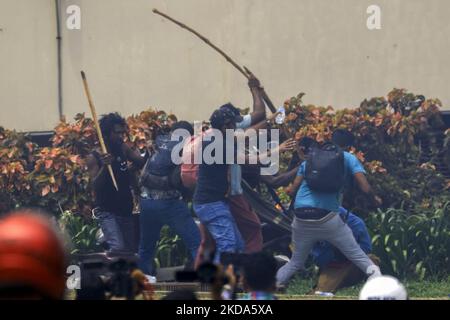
(118, 231)
(217, 218)
(154, 215)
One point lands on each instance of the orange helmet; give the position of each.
(31, 254)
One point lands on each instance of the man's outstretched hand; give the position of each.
(106, 159)
(288, 145)
(253, 82)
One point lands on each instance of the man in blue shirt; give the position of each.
(331, 201)
(336, 271)
(317, 219)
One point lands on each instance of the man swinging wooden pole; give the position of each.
(97, 126)
(245, 72)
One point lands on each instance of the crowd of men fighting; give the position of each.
(206, 206)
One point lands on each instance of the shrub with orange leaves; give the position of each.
(144, 127)
(16, 159)
(389, 133)
(60, 180)
(56, 178)
(389, 138)
(78, 137)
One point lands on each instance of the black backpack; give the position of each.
(325, 168)
(160, 163)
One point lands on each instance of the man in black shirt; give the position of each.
(114, 207)
(209, 200)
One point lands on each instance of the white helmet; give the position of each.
(383, 288)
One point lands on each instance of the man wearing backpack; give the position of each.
(318, 188)
(161, 202)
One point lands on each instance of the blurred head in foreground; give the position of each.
(259, 272)
(383, 288)
(183, 294)
(32, 257)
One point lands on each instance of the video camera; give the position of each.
(208, 272)
(104, 276)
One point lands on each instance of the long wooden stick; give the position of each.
(246, 74)
(182, 25)
(97, 126)
(264, 95)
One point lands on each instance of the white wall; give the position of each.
(134, 59)
(28, 85)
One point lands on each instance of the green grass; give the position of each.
(416, 289)
(301, 286)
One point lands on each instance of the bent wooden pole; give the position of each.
(97, 126)
(221, 52)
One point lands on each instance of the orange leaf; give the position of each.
(74, 158)
(30, 147)
(447, 186)
(45, 190)
(11, 153)
(48, 164)
(378, 122)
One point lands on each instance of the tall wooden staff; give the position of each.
(97, 126)
(246, 73)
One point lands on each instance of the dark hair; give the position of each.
(108, 121)
(260, 271)
(230, 107)
(222, 116)
(183, 294)
(307, 143)
(184, 125)
(172, 117)
(343, 138)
